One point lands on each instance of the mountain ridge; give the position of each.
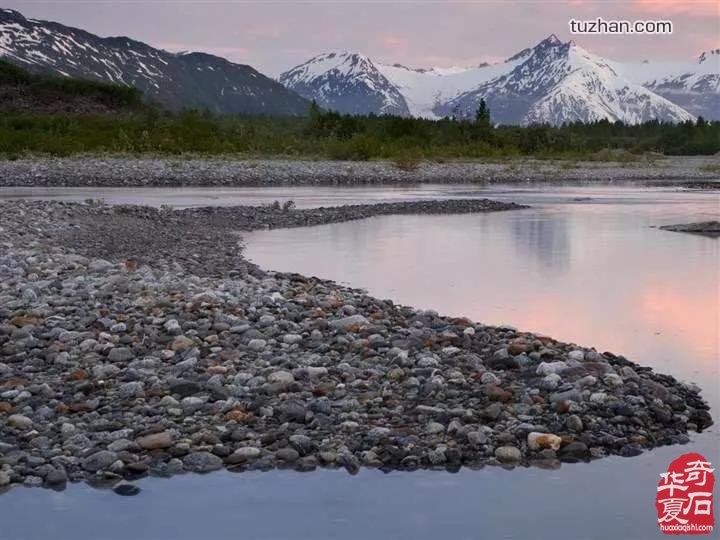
(598, 89)
(198, 80)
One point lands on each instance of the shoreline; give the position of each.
(137, 341)
(701, 172)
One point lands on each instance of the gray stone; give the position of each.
(244, 454)
(348, 322)
(257, 345)
(99, 461)
(19, 421)
(56, 477)
(120, 354)
(202, 462)
(287, 454)
(574, 423)
(155, 441)
(281, 377)
(508, 454)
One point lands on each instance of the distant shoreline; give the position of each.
(701, 172)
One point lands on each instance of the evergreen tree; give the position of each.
(482, 115)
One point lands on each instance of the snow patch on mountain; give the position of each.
(346, 82)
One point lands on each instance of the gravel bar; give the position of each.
(705, 228)
(693, 171)
(188, 358)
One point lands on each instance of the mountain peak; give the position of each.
(347, 82)
(704, 55)
(551, 41)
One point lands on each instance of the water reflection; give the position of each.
(547, 239)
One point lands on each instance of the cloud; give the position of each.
(394, 44)
(667, 8)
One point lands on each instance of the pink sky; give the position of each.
(276, 35)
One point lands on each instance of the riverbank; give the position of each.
(687, 171)
(117, 368)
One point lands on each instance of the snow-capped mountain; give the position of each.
(346, 82)
(552, 82)
(556, 82)
(176, 80)
(694, 85)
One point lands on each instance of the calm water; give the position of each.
(583, 265)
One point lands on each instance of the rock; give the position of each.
(155, 441)
(540, 441)
(121, 445)
(19, 421)
(281, 377)
(202, 462)
(492, 411)
(4, 478)
(347, 323)
(295, 411)
(185, 388)
(120, 354)
(546, 368)
(501, 359)
(575, 450)
(182, 343)
(518, 346)
(126, 490)
(476, 438)
(489, 378)
(257, 345)
(172, 327)
(567, 395)
(495, 393)
(586, 381)
(33, 481)
(56, 477)
(243, 455)
(130, 390)
(437, 456)
(629, 374)
(508, 454)
(613, 380)
(434, 428)
(574, 423)
(550, 381)
(288, 455)
(99, 461)
(292, 339)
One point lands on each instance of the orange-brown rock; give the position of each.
(12, 382)
(155, 441)
(78, 375)
(237, 415)
(518, 346)
(24, 320)
(495, 393)
(541, 441)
